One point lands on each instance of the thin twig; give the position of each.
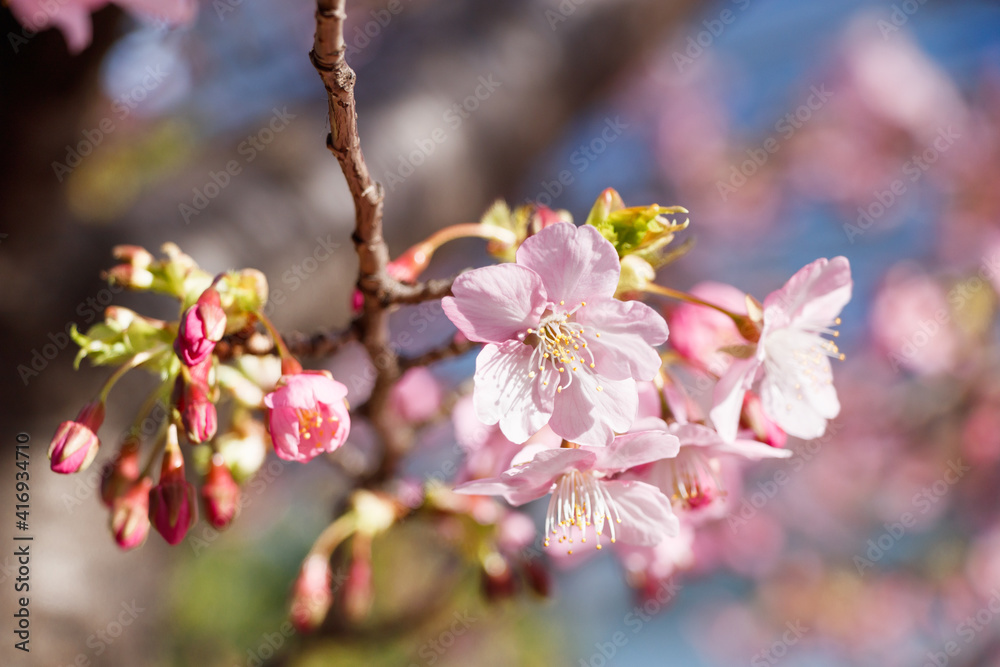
(455, 348)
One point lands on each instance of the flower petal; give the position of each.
(647, 517)
(813, 297)
(575, 263)
(727, 397)
(799, 399)
(496, 303)
(635, 449)
(532, 480)
(587, 416)
(628, 331)
(505, 393)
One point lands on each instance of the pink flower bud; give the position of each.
(357, 302)
(201, 327)
(307, 415)
(129, 276)
(220, 493)
(130, 515)
(173, 508)
(358, 591)
(198, 414)
(407, 267)
(119, 475)
(698, 332)
(311, 596)
(136, 256)
(75, 443)
(497, 578)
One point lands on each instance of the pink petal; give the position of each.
(576, 264)
(628, 331)
(813, 297)
(727, 397)
(505, 393)
(532, 480)
(496, 303)
(586, 416)
(636, 449)
(796, 406)
(646, 514)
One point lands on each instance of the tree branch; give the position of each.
(457, 347)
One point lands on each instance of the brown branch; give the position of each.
(373, 255)
(457, 347)
(319, 344)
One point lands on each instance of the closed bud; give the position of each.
(608, 202)
(119, 475)
(201, 327)
(173, 507)
(213, 317)
(407, 267)
(497, 578)
(75, 443)
(220, 493)
(311, 595)
(538, 577)
(136, 256)
(764, 429)
(358, 591)
(198, 413)
(129, 277)
(130, 515)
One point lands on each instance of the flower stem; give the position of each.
(135, 361)
(289, 364)
(333, 535)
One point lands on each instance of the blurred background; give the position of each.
(790, 131)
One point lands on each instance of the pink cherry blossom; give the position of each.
(73, 16)
(307, 416)
(201, 327)
(791, 361)
(586, 493)
(560, 349)
(694, 477)
(417, 395)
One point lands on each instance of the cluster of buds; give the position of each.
(305, 408)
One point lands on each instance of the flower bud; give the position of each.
(357, 302)
(407, 267)
(220, 493)
(249, 288)
(119, 475)
(607, 203)
(130, 515)
(416, 397)
(311, 595)
(538, 577)
(358, 591)
(75, 443)
(764, 429)
(129, 277)
(198, 413)
(136, 256)
(201, 327)
(636, 274)
(173, 508)
(497, 578)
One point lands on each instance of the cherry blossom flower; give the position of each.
(586, 495)
(700, 332)
(307, 415)
(73, 16)
(559, 348)
(791, 360)
(693, 478)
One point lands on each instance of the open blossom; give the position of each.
(73, 16)
(307, 415)
(586, 495)
(560, 349)
(791, 361)
(693, 478)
